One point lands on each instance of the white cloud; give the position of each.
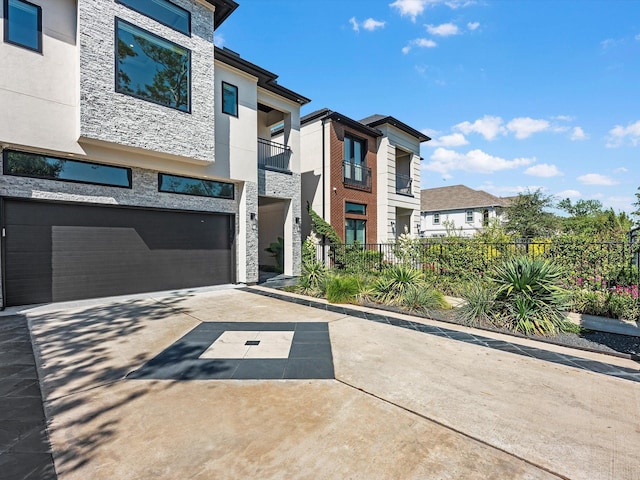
(637, 37)
(473, 25)
(489, 127)
(609, 42)
(596, 179)
(354, 24)
(620, 203)
(453, 140)
(524, 127)
(620, 170)
(410, 8)
(419, 42)
(371, 24)
(414, 8)
(474, 161)
(563, 118)
(618, 135)
(444, 30)
(507, 191)
(543, 170)
(578, 134)
(218, 40)
(569, 194)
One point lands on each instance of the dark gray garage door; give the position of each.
(56, 252)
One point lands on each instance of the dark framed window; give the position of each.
(152, 68)
(162, 11)
(229, 99)
(355, 231)
(23, 24)
(194, 186)
(33, 165)
(436, 219)
(355, 150)
(358, 208)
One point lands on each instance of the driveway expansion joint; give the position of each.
(581, 363)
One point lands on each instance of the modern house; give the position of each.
(363, 177)
(130, 151)
(458, 209)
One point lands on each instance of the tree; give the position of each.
(587, 218)
(636, 204)
(527, 215)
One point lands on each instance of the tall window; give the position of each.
(229, 99)
(152, 68)
(162, 11)
(485, 218)
(355, 231)
(469, 216)
(436, 219)
(23, 24)
(354, 158)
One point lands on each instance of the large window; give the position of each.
(23, 24)
(359, 208)
(51, 168)
(152, 68)
(355, 150)
(229, 99)
(355, 231)
(194, 186)
(164, 12)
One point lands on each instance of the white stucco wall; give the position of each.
(38, 113)
(311, 166)
(457, 221)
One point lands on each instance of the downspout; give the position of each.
(323, 174)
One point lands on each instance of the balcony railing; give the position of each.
(273, 156)
(403, 184)
(356, 176)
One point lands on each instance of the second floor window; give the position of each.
(354, 158)
(164, 12)
(23, 24)
(229, 99)
(469, 216)
(152, 68)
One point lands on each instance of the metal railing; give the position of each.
(273, 156)
(403, 184)
(356, 176)
(596, 265)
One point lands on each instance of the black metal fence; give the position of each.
(273, 155)
(594, 264)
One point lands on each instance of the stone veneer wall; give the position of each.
(144, 193)
(285, 186)
(118, 118)
(251, 192)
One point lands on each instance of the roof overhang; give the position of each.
(402, 126)
(223, 8)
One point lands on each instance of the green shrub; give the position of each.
(395, 282)
(359, 260)
(624, 306)
(421, 299)
(528, 295)
(480, 303)
(610, 304)
(342, 289)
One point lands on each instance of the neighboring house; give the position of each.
(127, 163)
(458, 209)
(363, 177)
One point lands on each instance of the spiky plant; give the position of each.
(421, 299)
(342, 289)
(480, 303)
(395, 282)
(529, 296)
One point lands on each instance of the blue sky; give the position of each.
(516, 94)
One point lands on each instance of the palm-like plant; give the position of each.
(528, 295)
(395, 282)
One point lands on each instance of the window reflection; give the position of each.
(195, 186)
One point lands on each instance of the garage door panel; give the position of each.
(57, 252)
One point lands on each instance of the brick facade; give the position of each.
(340, 194)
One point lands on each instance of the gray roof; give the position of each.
(457, 197)
(338, 117)
(377, 120)
(224, 8)
(266, 79)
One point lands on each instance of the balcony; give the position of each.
(356, 176)
(403, 184)
(273, 156)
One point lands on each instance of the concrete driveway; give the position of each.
(151, 388)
